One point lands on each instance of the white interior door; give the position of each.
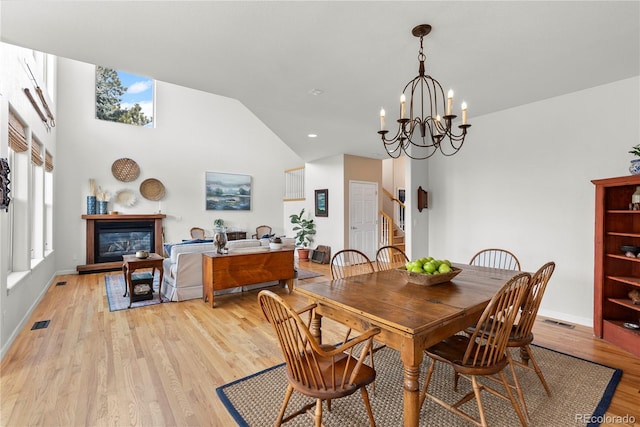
(363, 217)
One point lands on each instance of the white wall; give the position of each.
(195, 132)
(21, 292)
(522, 182)
(327, 173)
(417, 244)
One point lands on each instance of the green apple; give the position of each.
(429, 267)
(444, 268)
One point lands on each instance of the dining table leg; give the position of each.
(411, 355)
(316, 327)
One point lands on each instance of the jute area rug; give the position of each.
(115, 287)
(579, 389)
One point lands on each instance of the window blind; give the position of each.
(36, 153)
(17, 135)
(48, 161)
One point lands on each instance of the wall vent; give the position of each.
(40, 325)
(555, 322)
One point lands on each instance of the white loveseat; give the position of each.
(183, 268)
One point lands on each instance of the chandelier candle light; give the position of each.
(434, 131)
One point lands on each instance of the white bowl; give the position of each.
(275, 245)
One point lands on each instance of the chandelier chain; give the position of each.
(421, 56)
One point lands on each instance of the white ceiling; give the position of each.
(270, 54)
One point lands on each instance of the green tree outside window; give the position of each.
(109, 99)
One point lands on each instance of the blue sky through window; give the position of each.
(139, 90)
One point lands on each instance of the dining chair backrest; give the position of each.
(309, 370)
(531, 303)
(197, 233)
(489, 340)
(389, 257)
(496, 258)
(350, 262)
(262, 230)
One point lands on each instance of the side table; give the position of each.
(131, 263)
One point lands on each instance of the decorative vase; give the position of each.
(102, 207)
(220, 238)
(634, 168)
(91, 205)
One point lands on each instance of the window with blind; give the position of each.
(18, 212)
(37, 200)
(31, 207)
(48, 161)
(48, 202)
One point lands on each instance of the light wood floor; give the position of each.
(160, 365)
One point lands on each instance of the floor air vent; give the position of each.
(555, 322)
(61, 283)
(40, 325)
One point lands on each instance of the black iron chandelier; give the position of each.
(428, 126)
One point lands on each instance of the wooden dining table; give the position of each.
(411, 317)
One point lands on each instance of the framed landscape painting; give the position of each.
(227, 192)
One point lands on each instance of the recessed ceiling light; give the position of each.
(316, 92)
(312, 135)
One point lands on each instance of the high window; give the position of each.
(124, 98)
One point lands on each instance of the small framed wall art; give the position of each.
(322, 202)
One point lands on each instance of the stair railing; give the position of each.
(386, 229)
(398, 208)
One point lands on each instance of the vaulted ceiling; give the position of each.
(272, 55)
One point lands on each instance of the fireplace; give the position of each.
(111, 236)
(114, 239)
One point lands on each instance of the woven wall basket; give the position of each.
(125, 170)
(152, 189)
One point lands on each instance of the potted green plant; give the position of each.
(305, 230)
(635, 163)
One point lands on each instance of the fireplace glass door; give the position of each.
(114, 239)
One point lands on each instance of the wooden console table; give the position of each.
(246, 268)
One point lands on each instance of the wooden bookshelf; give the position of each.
(615, 274)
